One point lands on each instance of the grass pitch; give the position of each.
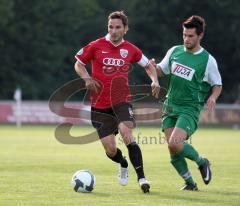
(35, 170)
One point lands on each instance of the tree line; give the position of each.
(38, 39)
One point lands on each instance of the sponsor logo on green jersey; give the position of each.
(182, 71)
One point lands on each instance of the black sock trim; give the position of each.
(118, 158)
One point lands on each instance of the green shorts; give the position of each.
(183, 121)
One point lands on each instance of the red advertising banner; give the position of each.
(38, 112)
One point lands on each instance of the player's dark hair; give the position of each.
(119, 15)
(195, 22)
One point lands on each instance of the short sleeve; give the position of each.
(137, 54)
(143, 61)
(212, 75)
(85, 54)
(139, 57)
(164, 64)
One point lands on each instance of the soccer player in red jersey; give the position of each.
(111, 111)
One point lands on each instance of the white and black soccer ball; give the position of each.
(83, 181)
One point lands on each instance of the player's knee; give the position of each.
(126, 133)
(125, 128)
(173, 148)
(110, 151)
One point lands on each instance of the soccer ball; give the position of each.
(83, 181)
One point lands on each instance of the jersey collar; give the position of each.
(197, 52)
(107, 37)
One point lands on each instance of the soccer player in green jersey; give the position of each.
(194, 78)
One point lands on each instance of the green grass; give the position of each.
(35, 169)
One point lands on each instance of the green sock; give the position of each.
(180, 164)
(192, 154)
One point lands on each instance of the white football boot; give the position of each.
(123, 175)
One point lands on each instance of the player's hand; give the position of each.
(155, 89)
(152, 61)
(92, 85)
(211, 103)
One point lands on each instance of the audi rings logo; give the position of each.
(113, 62)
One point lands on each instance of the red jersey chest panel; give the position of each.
(110, 66)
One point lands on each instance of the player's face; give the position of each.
(191, 39)
(116, 30)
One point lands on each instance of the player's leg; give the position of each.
(106, 125)
(175, 140)
(135, 155)
(178, 161)
(114, 153)
(126, 124)
(134, 150)
(203, 163)
(191, 153)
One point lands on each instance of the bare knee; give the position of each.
(175, 145)
(110, 150)
(176, 140)
(126, 133)
(173, 148)
(109, 145)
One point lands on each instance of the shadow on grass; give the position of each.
(97, 194)
(225, 193)
(193, 197)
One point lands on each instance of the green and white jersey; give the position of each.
(191, 76)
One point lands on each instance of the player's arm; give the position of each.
(211, 102)
(213, 77)
(81, 70)
(151, 71)
(163, 68)
(159, 71)
(83, 73)
(158, 68)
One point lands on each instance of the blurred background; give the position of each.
(38, 41)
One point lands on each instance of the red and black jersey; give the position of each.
(110, 67)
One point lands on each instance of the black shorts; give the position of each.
(106, 121)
